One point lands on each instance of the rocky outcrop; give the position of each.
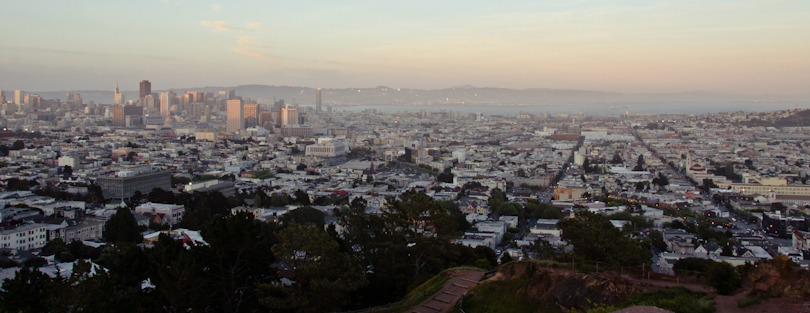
(570, 289)
(780, 278)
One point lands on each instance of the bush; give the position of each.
(678, 299)
(723, 277)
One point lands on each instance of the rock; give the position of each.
(570, 289)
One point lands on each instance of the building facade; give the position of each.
(236, 116)
(124, 185)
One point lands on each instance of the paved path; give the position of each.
(455, 287)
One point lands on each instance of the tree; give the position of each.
(301, 167)
(506, 258)
(158, 195)
(18, 145)
(596, 239)
(238, 256)
(661, 180)
(521, 172)
(723, 277)
(551, 212)
(304, 215)
(302, 197)
(122, 227)
(542, 249)
(486, 253)
(324, 277)
(67, 170)
(658, 240)
(496, 196)
(639, 163)
(617, 159)
(26, 292)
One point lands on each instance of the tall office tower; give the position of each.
(121, 112)
(288, 116)
(119, 98)
(251, 115)
(2, 97)
(236, 116)
(77, 100)
(207, 95)
(166, 99)
(207, 116)
(318, 100)
(231, 94)
(146, 88)
(148, 102)
(19, 97)
(68, 97)
(192, 96)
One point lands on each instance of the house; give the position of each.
(708, 249)
(166, 213)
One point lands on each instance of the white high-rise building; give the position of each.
(19, 97)
(166, 102)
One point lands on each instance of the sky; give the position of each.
(742, 46)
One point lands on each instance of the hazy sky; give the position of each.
(740, 46)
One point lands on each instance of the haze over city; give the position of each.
(741, 47)
(413, 156)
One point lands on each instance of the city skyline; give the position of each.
(750, 47)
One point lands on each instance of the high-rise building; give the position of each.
(236, 115)
(287, 116)
(251, 115)
(68, 97)
(193, 96)
(146, 89)
(2, 97)
(119, 97)
(148, 102)
(19, 97)
(207, 115)
(166, 102)
(318, 100)
(121, 112)
(231, 94)
(77, 100)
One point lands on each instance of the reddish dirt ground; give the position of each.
(726, 304)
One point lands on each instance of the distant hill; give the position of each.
(465, 95)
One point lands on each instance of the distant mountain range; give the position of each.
(466, 95)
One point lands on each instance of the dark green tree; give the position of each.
(542, 248)
(302, 197)
(506, 258)
(238, 255)
(122, 227)
(304, 215)
(596, 239)
(723, 277)
(324, 277)
(28, 291)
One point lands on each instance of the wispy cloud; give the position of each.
(218, 26)
(742, 28)
(248, 46)
(216, 7)
(223, 26)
